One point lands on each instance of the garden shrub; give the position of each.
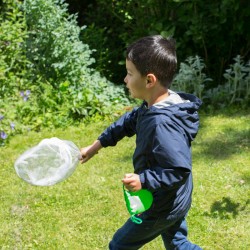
(191, 78)
(53, 44)
(47, 75)
(14, 67)
(47, 80)
(64, 61)
(235, 90)
(215, 30)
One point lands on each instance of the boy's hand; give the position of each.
(86, 153)
(132, 182)
(90, 151)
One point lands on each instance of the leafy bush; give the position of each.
(191, 78)
(53, 43)
(238, 81)
(97, 38)
(215, 30)
(46, 72)
(236, 89)
(63, 60)
(47, 80)
(14, 67)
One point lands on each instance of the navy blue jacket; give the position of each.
(162, 157)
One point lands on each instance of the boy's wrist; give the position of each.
(96, 146)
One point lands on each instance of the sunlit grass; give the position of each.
(84, 211)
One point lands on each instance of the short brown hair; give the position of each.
(156, 55)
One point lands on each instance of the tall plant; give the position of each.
(235, 90)
(14, 67)
(191, 77)
(64, 61)
(238, 81)
(53, 43)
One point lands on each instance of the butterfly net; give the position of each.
(51, 161)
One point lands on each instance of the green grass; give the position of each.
(84, 211)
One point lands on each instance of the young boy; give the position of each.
(165, 125)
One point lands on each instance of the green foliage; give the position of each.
(190, 77)
(6, 128)
(14, 67)
(53, 43)
(84, 211)
(97, 37)
(46, 79)
(47, 75)
(236, 89)
(215, 30)
(63, 61)
(238, 80)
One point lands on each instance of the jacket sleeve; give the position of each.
(170, 161)
(125, 126)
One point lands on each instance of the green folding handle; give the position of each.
(137, 202)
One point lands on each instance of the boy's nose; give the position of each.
(125, 80)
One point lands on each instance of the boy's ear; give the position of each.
(151, 80)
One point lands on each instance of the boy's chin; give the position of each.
(135, 96)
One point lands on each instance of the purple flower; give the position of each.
(25, 95)
(12, 125)
(3, 135)
(1, 117)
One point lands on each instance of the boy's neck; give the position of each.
(157, 97)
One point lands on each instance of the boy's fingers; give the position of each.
(84, 158)
(127, 181)
(130, 178)
(127, 176)
(128, 187)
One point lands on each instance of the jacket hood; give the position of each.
(184, 115)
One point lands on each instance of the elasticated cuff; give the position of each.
(142, 180)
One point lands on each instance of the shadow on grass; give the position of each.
(226, 209)
(226, 143)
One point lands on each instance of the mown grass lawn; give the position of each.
(84, 211)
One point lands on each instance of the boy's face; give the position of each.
(135, 82)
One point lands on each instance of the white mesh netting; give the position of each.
(51, 161)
